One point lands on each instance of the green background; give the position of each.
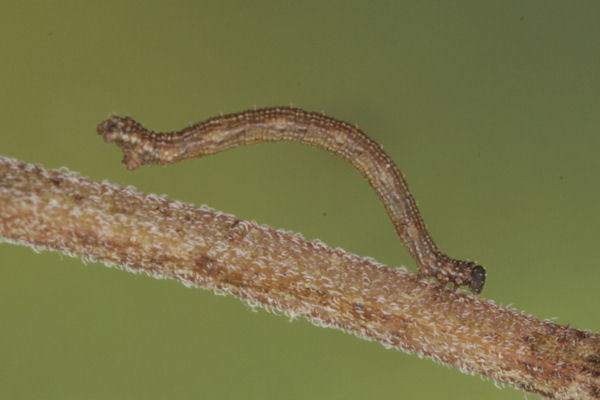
(491, 109)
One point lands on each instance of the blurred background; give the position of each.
(491, 110)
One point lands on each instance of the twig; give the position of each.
(281, 270)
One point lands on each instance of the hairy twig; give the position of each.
(276, 269)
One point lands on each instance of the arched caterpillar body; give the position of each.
(142, 146)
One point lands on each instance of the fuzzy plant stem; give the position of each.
(279, 270)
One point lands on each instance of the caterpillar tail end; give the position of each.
(478, 276)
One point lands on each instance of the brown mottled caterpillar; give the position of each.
(142, 146)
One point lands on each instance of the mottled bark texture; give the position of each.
(281, 270)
